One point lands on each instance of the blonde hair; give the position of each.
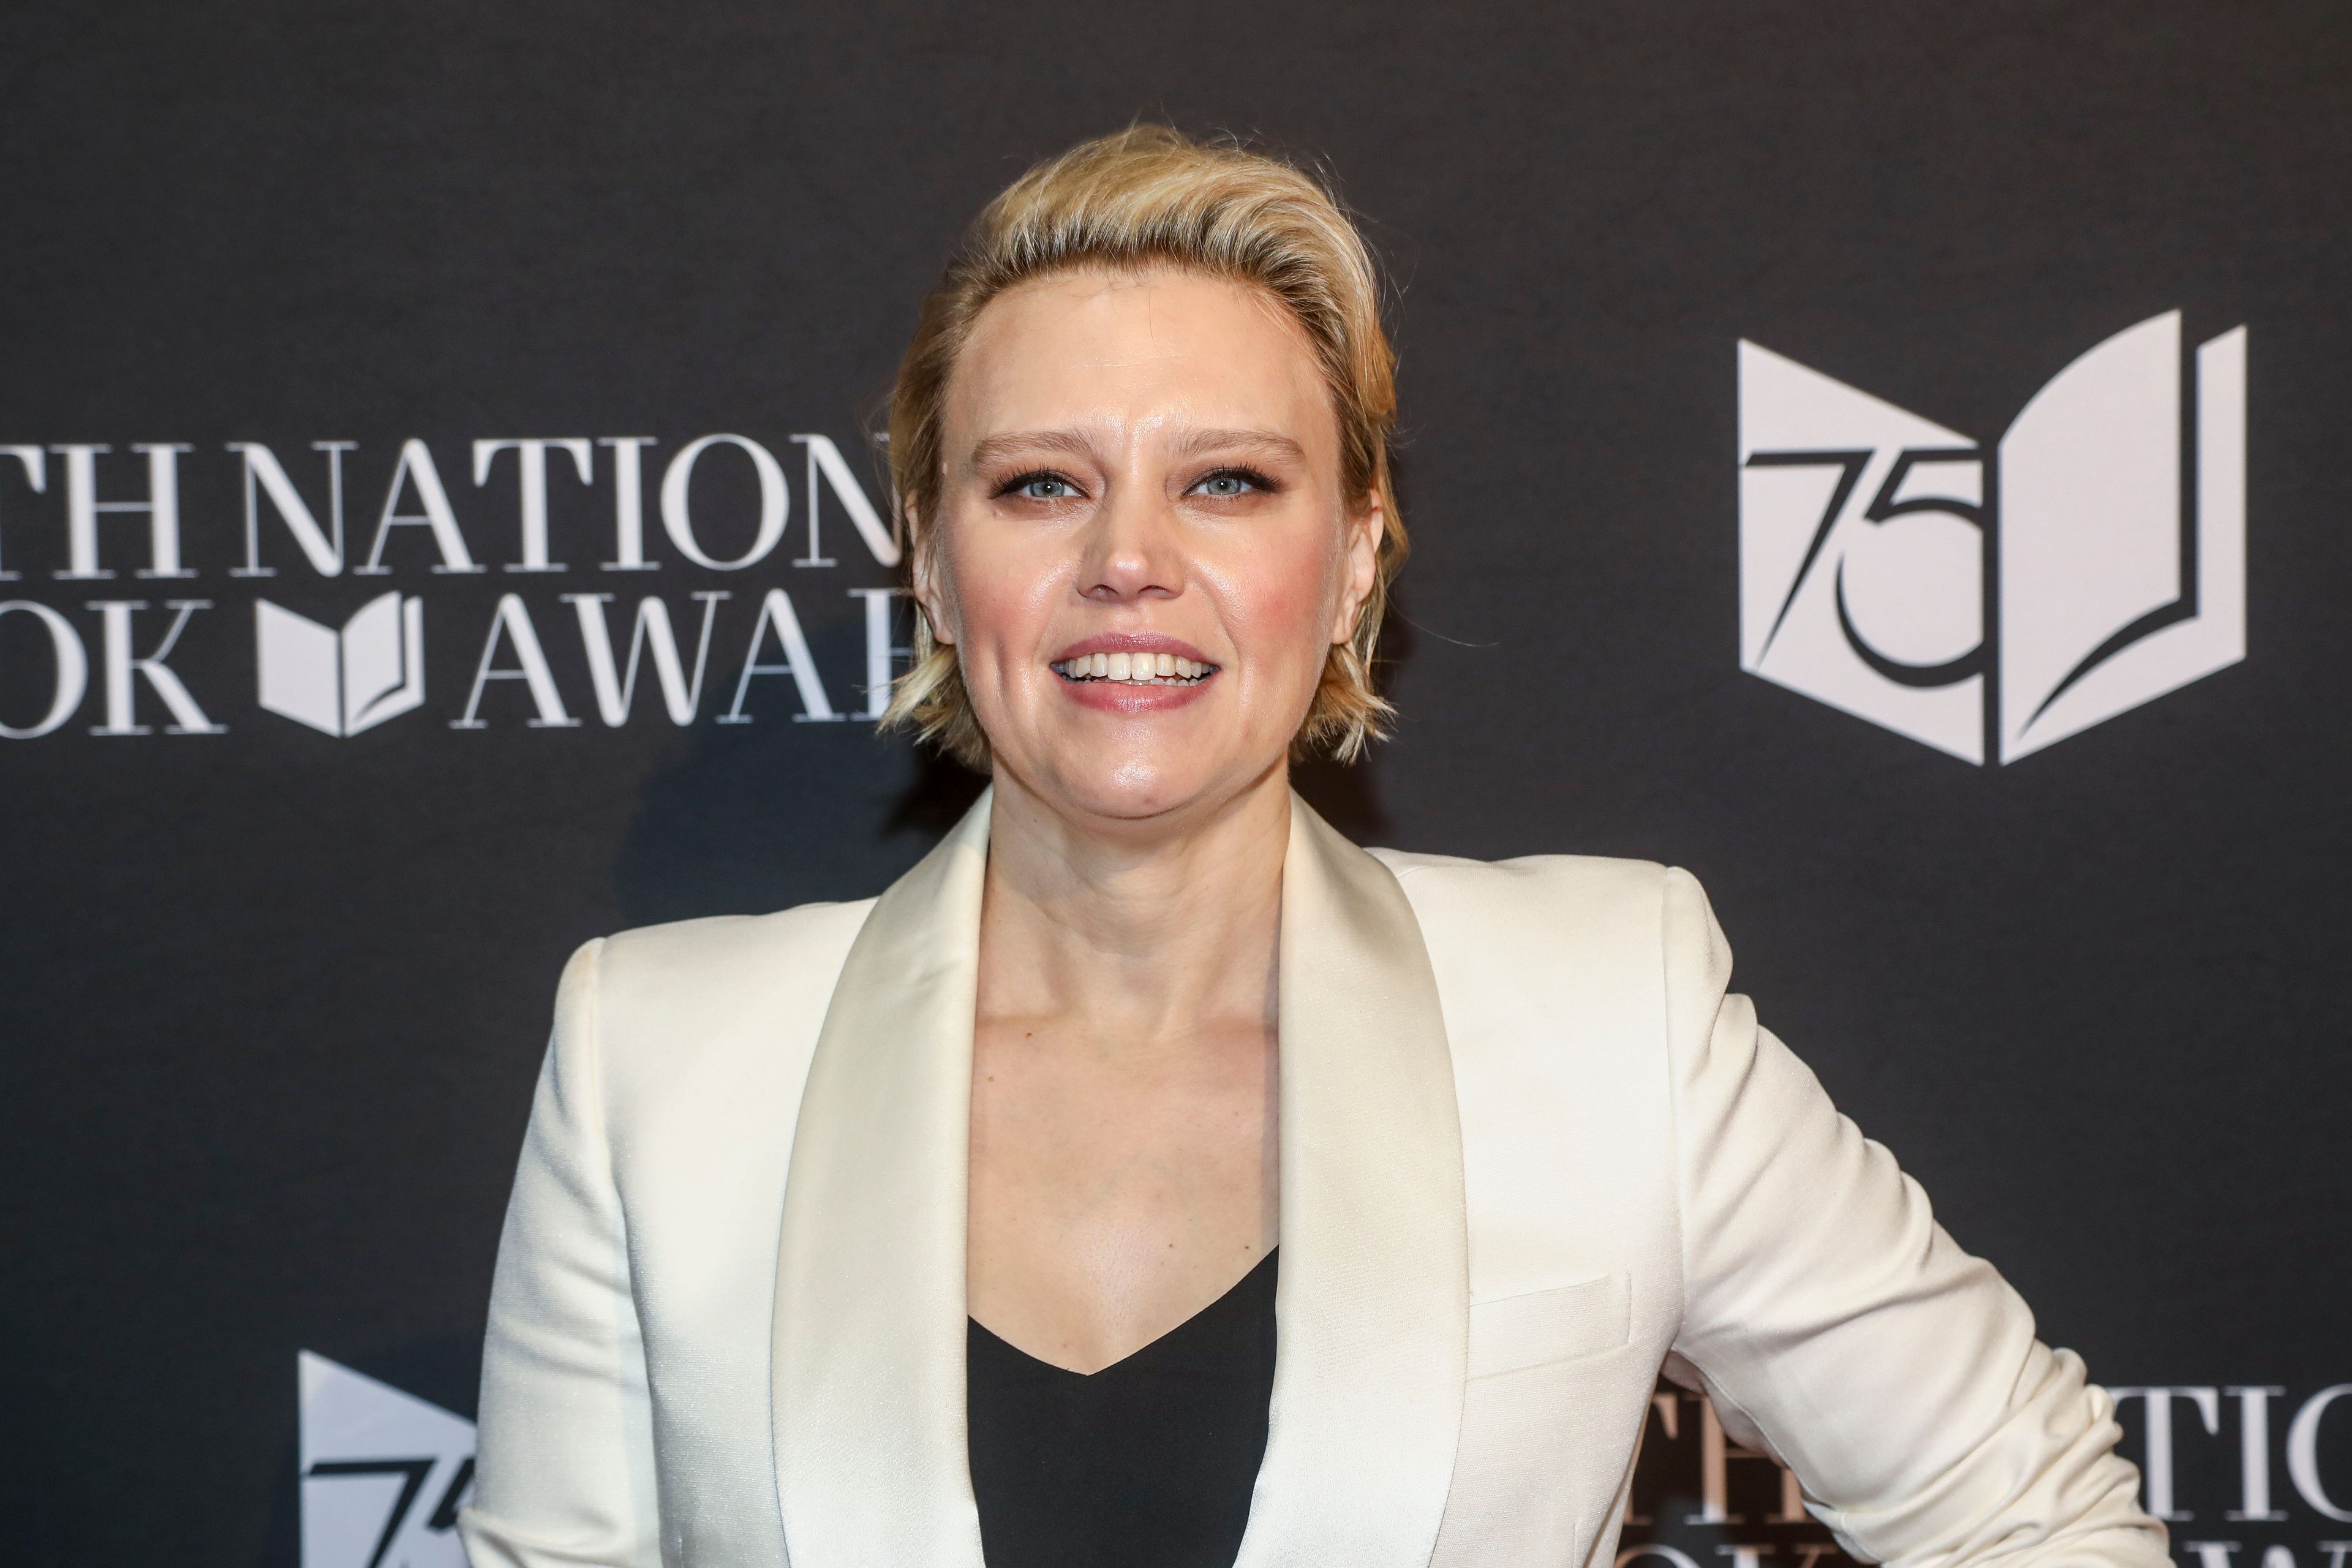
(1151, 197)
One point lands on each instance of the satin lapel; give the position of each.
(1373, 1304)
(867, 1366)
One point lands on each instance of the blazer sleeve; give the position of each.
(1837, 1327)
(565, 1470)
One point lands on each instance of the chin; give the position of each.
(1134, 786)
(1131, 767)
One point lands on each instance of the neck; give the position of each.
(1148, 933)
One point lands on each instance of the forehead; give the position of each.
(1135, 351)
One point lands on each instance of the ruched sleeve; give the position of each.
(564, 1474)
(1837, 1328)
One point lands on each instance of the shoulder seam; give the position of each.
(594, 1049)
(1674, 1097)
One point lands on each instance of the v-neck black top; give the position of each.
(1149, 1463)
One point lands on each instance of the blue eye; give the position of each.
(1047, 489)
(1226, 484)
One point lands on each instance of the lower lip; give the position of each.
(1125, 696)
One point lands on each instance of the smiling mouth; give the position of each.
(1134, 670)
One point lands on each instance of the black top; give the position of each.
(1147, 1463)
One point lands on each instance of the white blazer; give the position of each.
(1531, 1150)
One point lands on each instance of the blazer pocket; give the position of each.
(1543, 1328)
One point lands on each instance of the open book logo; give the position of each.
(383, 1473)
(347, 681)
(1991, 602)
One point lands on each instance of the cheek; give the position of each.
(1001, 596)
(1277, 604)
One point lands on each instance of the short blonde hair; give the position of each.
(1151, 197)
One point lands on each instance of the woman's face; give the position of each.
(1142, 479)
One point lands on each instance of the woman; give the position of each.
(944, 1226)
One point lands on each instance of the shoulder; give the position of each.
(1580, 890)
(1557, 976)
(1588, 923)
(656, 997)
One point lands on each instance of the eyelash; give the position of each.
(1250, 476)
(1034, 477)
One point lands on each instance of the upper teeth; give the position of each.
(1150, 668)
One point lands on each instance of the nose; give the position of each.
(1132, 552)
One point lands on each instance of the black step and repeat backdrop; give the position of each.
(1891, 459)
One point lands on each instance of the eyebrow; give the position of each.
(1195, 442)
(998, 447)
(1192, 443)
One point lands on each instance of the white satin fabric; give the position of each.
(1531, 1151)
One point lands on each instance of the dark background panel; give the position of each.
(271, 1004)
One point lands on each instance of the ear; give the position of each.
(1360, 566)
(924, 579)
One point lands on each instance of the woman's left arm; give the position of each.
(1837, 1327)
(566, 1477)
